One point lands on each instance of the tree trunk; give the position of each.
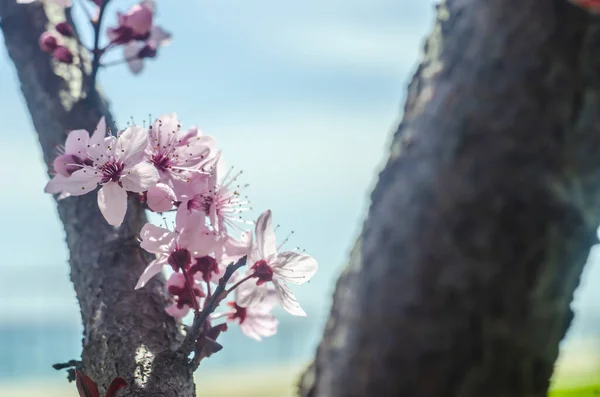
(126, 332)
(482, 219)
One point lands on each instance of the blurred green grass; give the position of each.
(589, 391)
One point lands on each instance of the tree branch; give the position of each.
(482, 219)
(195, 331)
(126, 332)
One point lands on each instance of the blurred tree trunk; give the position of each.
(482, 219)
(126, 332)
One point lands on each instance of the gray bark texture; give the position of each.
(126, 332)
(461, 281)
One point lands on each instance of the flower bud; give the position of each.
(63, 54)
(48, 42)
(65, 29)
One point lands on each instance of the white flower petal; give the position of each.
(151, 270)
(287, 299)
(77, 142)
(295, 267)
(131, 145)
(112, 200)
(265, 236)
(140, 177)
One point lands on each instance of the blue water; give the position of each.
(28, 351)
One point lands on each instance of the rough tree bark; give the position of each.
(126, 332)
(482, 218)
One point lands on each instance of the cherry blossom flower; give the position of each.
(176, 287)
(255, 320)
(269, 266)
(226, 250)
(175, 155)
(177, 248)
(119, 166)
(135, 24)
(74, 155)
(136, 51)
(220, 201)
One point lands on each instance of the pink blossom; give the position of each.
(160, 198)
(135, 24)
(255, 320)
(136, 51)
(269, 266)
(177, 160)
(226, 250)
(176, 287)
(74, 155)
(220, 201)
(119, 166)
(177, 248)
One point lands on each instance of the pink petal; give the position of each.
(176, 280)
(77, 142)
(151, 270)
(259, 326)
(287, 299)
(131, 144)
(130, 53)
(159, 36)
(140, 177)
(56, 184)
(295, 267)
(112, 200)
(81, 182)
(156, 240)
(99, 133)
(174, 311)
(265, 236)
(160, 198)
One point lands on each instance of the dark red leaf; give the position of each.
(85, 386)
(116, 385)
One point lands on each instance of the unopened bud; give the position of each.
(48, 42)
(62, 54)
(65, 29)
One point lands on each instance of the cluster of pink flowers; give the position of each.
(173, 169)
(136, 33)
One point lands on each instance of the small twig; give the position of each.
(68, 364)
(194, 332)
(119, 61)
(96, 52)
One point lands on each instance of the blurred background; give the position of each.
(303, 96)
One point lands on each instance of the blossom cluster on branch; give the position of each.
(168, 168)
(135, 32)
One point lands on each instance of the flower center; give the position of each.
(180, 259)
(239, 312)
(262, 271)
(207, 265)
(111, 171)
(161, 161)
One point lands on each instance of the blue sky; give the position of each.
(302, 96)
